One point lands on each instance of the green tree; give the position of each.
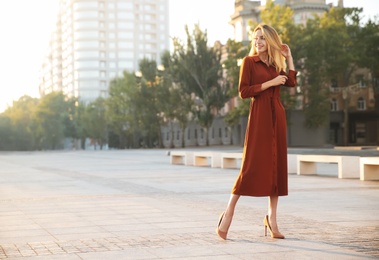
(79, 122)
(368, 44)
(316, 105)
(21, 119)
(96, 122)
(72, 121)
(122, 112)
(173, 95)
(152, 92)
(332, 51)
(198, 72)
(50, 118)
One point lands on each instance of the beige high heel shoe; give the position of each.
(267, 225)
(218, 231)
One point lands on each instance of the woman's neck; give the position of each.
(263, 56)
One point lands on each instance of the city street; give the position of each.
(133, 204)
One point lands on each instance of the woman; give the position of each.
(264, 162)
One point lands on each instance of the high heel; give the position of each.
(267, 225)
(218, 231)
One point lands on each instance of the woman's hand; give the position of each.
(279, 80)
(286, 51)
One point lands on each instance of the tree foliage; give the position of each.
(95, 121)
(198, 71)
(279, 17)
(122, 111)
(236, 52)
(51, 114)
(331, 51)
(17, 125)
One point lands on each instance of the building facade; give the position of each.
(249, 10)
(96, 40)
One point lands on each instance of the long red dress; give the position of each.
(264, 162)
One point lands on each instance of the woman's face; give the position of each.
(260, 42)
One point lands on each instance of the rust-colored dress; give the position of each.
(264, 162)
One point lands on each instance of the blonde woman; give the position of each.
(264, 163)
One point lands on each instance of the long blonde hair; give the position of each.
(274, 46)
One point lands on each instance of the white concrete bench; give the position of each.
(212, 159)
(369, 168)
(230, 160)
(181, 157)
(348, 166)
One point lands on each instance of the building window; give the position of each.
(188, 134)
(226, 132)
(111, 25)
(361, 105)
(177, 135)
(334, 105)
(361, 80)
(201, 133)
(219, 132)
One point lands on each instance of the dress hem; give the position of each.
(260, 195)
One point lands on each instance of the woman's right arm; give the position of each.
(244, 88)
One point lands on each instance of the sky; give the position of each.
(25, 27)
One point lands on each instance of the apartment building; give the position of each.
(96, 40)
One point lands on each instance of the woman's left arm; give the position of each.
(286, 52)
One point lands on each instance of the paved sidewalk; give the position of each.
(133, 204)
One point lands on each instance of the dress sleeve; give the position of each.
(291, 81)
(246, 73)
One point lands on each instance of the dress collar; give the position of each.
(256, 58)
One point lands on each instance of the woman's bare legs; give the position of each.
(229, 212)
(272, 207)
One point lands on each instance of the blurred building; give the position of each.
(96, 40)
